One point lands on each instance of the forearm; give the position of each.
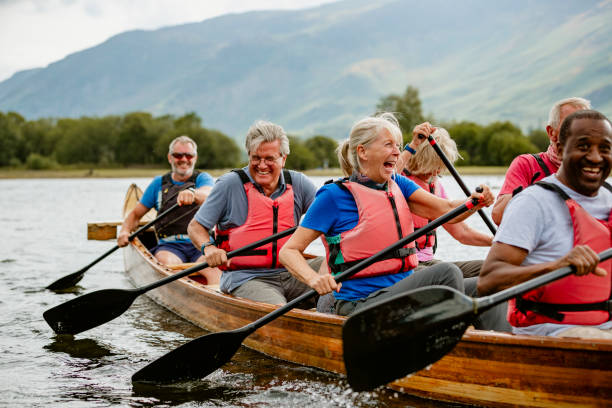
(201, 194)
(497, 275)
(296, 264)
(197, 234)
(499, 207)
(467, 235)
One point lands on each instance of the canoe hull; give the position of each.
(486, 368)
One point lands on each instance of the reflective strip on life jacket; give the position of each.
(384, 218)
(587, 295)
(265, 217)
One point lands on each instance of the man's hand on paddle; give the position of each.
(186, 197)
(584, 259)
(215, 256)
(324, 284)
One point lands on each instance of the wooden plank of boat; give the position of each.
(486, 368)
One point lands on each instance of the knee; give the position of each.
(455, 276)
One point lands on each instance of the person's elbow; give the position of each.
(194, 229)
(486, 284)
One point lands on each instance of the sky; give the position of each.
(35, 33)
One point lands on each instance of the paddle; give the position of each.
(205, 354)
(457, 177)
(410, 331)
(72, 279)
(93, 309)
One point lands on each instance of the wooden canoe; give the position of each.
(486, 368)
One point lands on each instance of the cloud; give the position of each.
(34, 33)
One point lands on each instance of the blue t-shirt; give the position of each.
(152, 195)
(334, 211)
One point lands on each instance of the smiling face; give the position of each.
(182, 160)
(378, 159)
(266, 164)
(586, 155)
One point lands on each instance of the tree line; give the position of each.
(139, 138)
(136, 138)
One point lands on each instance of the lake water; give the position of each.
(43, 224)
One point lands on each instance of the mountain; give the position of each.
(318, 70)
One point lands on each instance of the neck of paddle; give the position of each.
(484, 303)
(459, 181)
(363, 264)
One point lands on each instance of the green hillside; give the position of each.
(318, 70)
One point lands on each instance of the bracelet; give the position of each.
(204, 245)
(410, 149)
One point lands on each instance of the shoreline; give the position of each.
(8, 173)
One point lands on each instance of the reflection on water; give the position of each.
(45, 239)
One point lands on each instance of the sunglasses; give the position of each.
(188, 156)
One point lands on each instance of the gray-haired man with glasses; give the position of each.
(247, 205)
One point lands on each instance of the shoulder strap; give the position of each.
(607, 186)
(287, 177)
(553, 187)
(243, 176)
(166, 178)
(194, 176)
(543, 165)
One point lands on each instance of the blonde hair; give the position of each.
(426, 161)
(364, 132)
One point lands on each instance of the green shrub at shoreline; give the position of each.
(133, 172)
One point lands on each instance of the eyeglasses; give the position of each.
(268, 160)
(188, 156)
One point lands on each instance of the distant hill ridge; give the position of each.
(316, 71)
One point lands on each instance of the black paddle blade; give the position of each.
(90, 310)
(403, 334)
(67, 281)
(193, 360)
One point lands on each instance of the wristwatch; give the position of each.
(204, 245)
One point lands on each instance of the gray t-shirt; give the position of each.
(538, 221)
(227, 206)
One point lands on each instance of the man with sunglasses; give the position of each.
(247, 205)
(185, 186)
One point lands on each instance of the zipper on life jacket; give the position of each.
(397, 222)
(274, 231)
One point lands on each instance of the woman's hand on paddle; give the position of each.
(485, 196)
(324, 284)
(424, 129)
(584, 259)
(215, 256)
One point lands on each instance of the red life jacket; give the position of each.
(378, 211)
(429, 239)
(265, 216)
(582, 299)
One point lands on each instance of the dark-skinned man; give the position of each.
(562, 220)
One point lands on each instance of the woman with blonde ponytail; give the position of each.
(364, 213)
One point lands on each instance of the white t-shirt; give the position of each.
(538, 221)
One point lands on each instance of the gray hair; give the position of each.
(554, 117)
(263, 131)
(184, 140)
(363, 133)
(426, 161)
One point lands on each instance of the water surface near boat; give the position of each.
(43, 237)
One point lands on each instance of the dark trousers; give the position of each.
(445, 274)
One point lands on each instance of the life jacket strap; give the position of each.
(553, 310)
